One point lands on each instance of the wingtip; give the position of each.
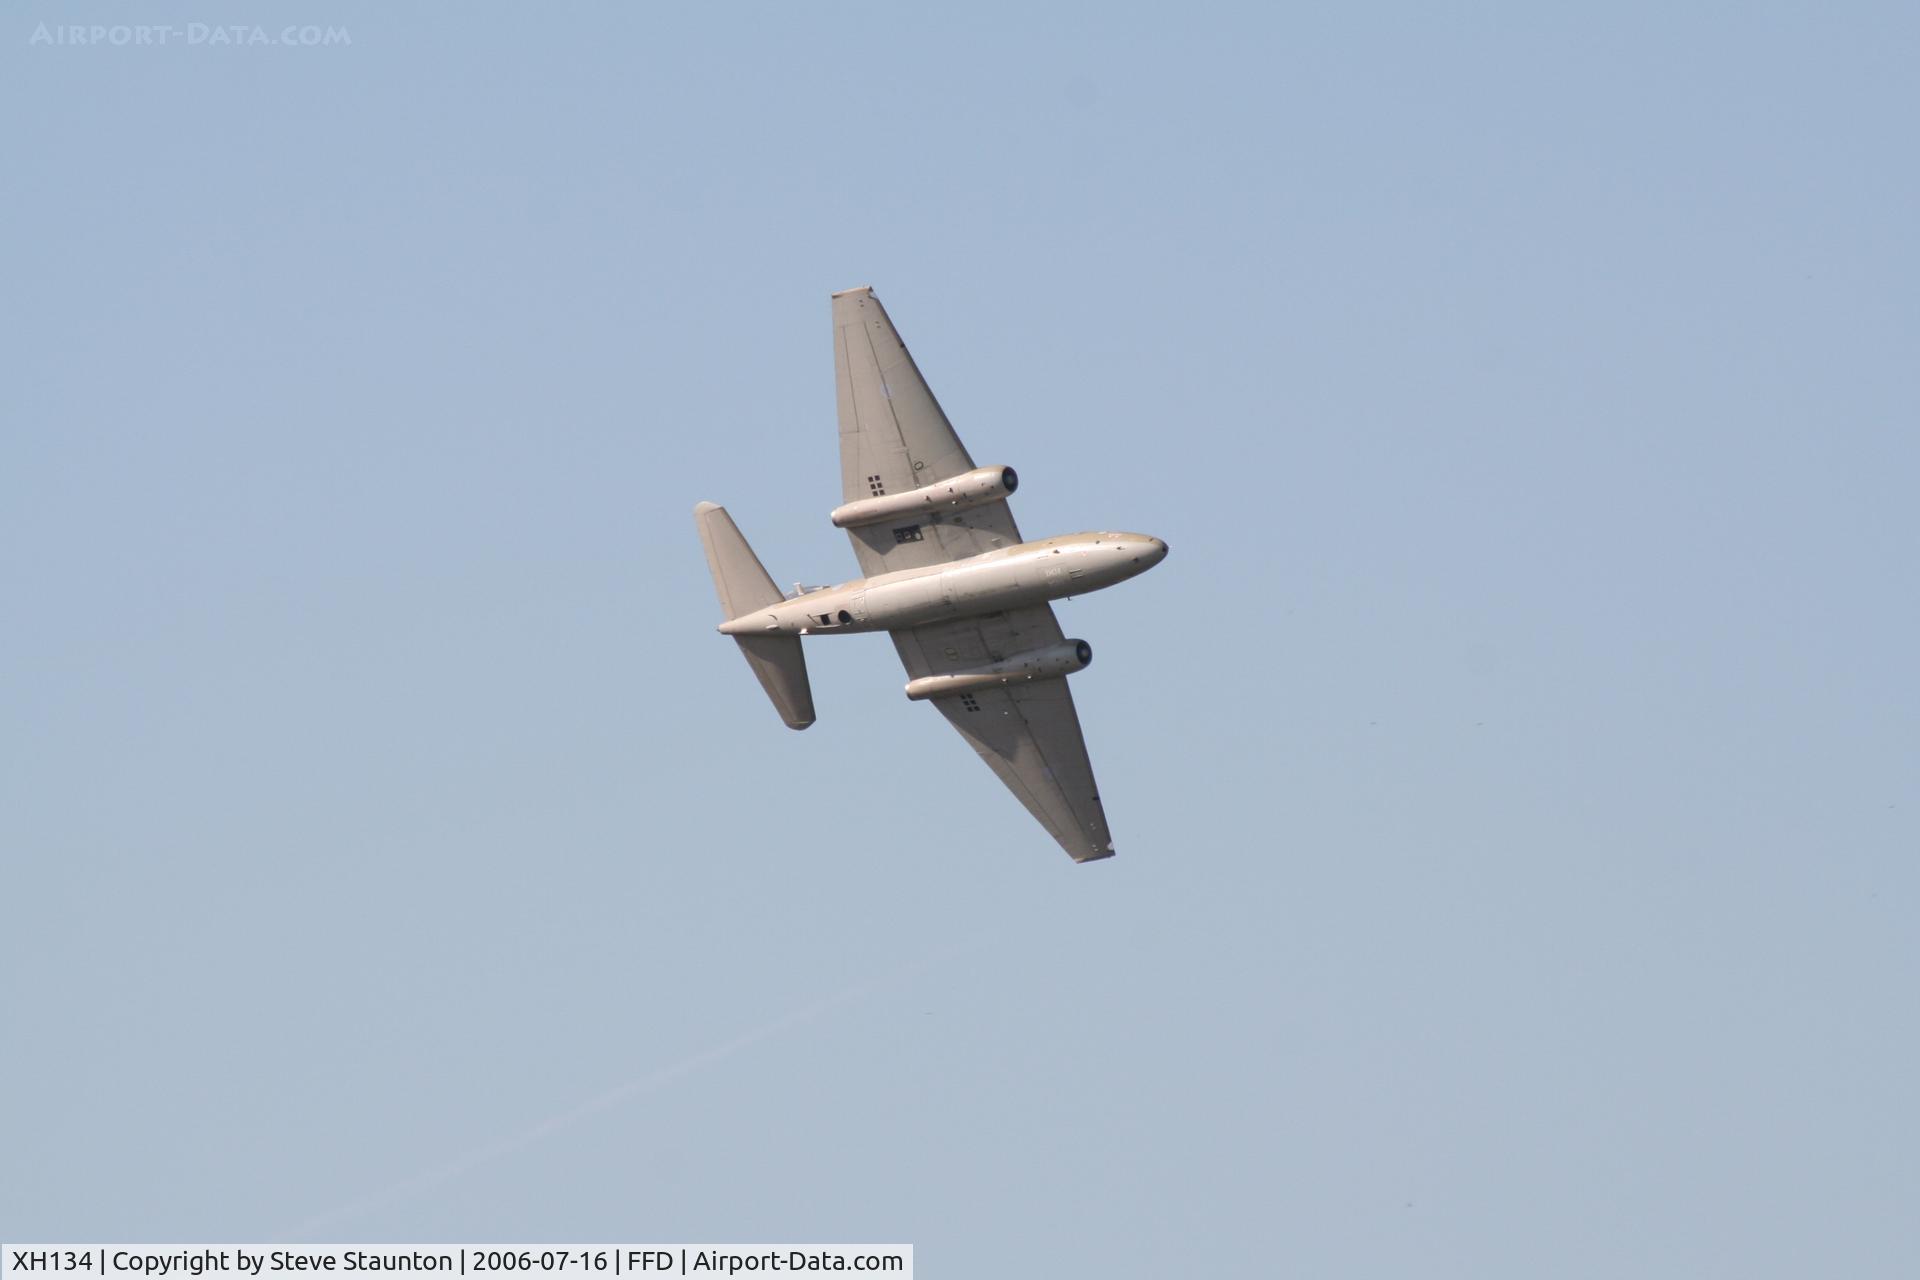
(701, 508)
(855, 291)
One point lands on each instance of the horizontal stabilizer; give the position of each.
(744, 586)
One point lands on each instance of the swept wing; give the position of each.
(894, 437)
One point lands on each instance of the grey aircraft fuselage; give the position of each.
(1008, 578)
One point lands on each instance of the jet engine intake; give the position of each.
(975, 488)
(1051, 662)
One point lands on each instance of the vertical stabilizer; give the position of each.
(743, 586)
(782, 669)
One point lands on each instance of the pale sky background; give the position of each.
(1513, 767)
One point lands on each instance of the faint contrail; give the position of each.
(448, 1170)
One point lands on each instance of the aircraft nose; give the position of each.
(1159, 549)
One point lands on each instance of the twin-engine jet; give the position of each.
(948, 576)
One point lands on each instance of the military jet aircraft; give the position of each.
(948, 576)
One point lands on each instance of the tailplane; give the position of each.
(744, 586)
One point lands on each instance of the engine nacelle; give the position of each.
(1060, 659)
(976, 488)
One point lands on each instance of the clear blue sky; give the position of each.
(1513, 767)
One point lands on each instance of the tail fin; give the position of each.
(744, 586)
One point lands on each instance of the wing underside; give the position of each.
(1028, 733)
(894, 437)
